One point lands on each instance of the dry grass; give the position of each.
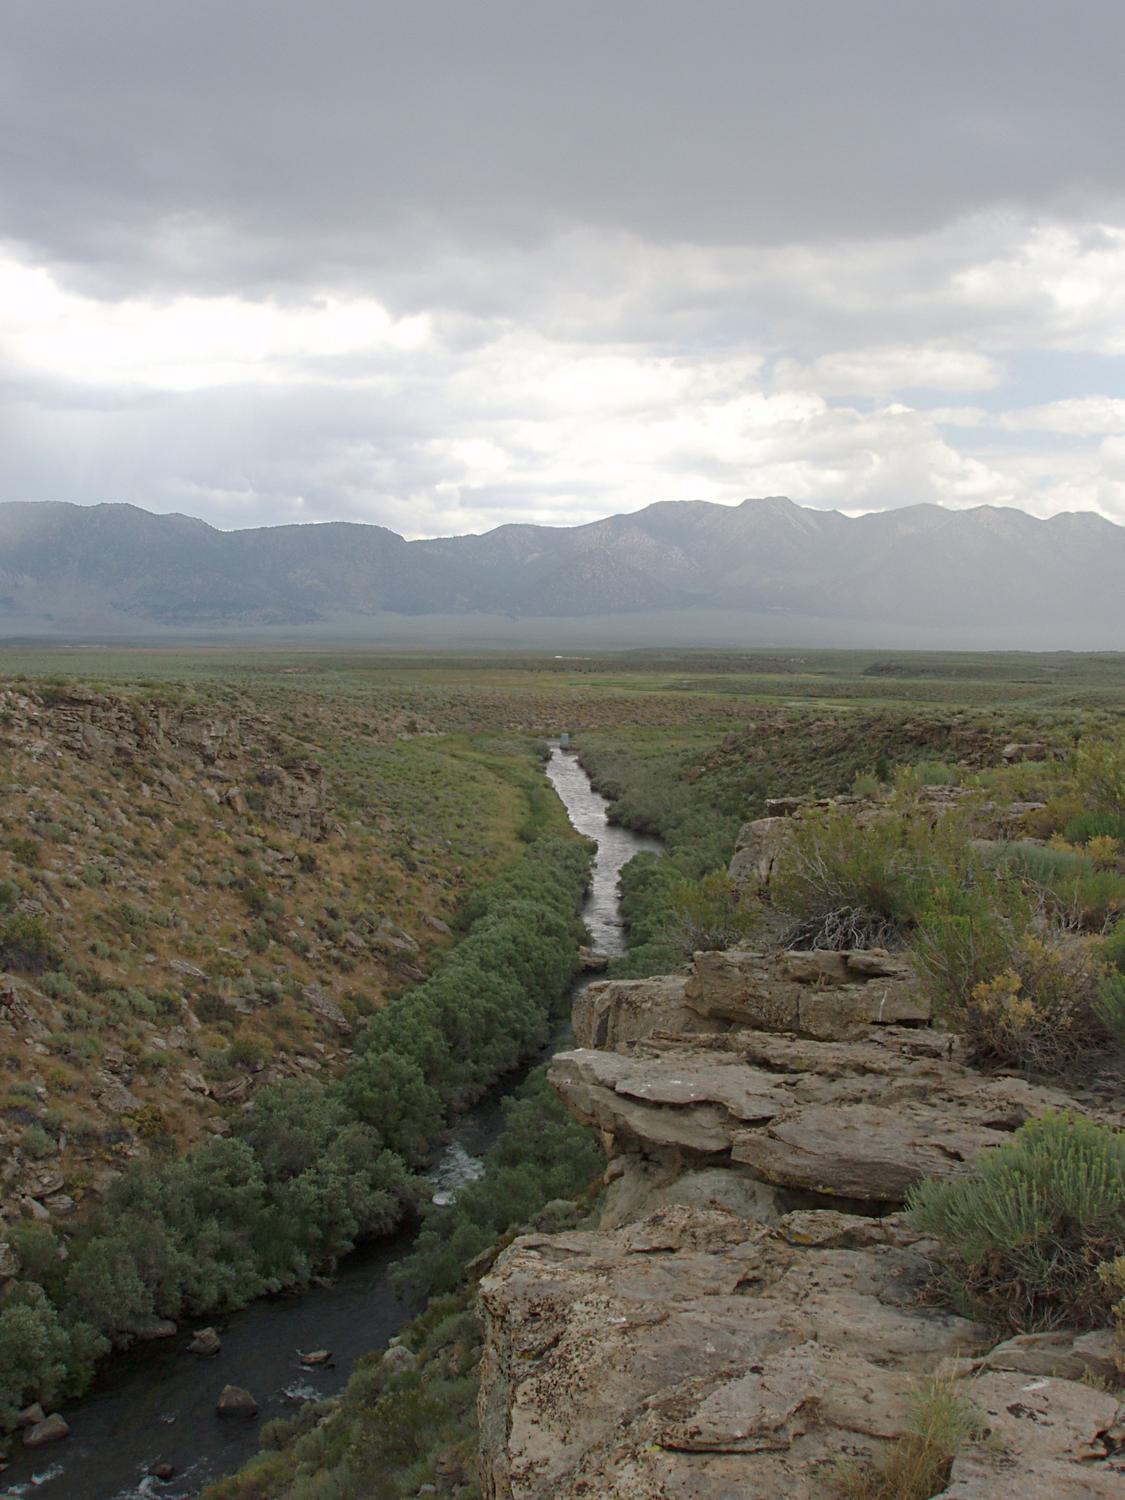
(917, 1465)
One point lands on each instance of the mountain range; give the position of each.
(987, 576)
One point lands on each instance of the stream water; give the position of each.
(156, 1404)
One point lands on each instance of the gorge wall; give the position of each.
(752, 1310)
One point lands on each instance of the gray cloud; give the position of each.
(441, 265)
(273, 141)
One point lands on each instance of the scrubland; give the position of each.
(236, 1021)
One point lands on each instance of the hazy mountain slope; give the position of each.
(115, 567)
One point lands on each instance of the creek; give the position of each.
(156, 1404)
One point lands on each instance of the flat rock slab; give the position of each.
(862, 1121)
(861, 1151)
(1049, 1440)
(694, 1355)
(686, 1103)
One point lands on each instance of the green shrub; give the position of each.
(1099, 775)
(1047, 1010)
(707, 913)
(1024, 1232)
(1093, 825)
(35, 1352)
(926, 773)
(36, 1143)
(1113, 949)
(966, 935)
(844, 884)
(1112, 1274)
(59, 985)
(26, 945)
(1043, 864)
(124, 914)
(211, 1008)
(25, 850)
(1110, 1005)
(647, 885)
(1079, 888)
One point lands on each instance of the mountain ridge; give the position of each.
(70, 568)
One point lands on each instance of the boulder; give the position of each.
(155, 1330)
(112, 1095)
(315, 1358)
(293, 795)
(592, 961)
(666, 1104)
(50, 1430)
(784, 807)
(1025, 750)
(398, 1360)
(323, 1005)
(1060, 1353)
(756, 850)
(206, 1343)
(388, 937)
(636, 1186)
(613, 1011)
(235, 799)
(235, 1402)
(30, 1416)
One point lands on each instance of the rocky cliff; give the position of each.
(752, 1310)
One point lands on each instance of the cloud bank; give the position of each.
(442, 266)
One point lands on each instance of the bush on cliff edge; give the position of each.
(1024, 1233)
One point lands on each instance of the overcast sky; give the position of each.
(445, 265)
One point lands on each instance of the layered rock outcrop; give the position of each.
(751, 1312)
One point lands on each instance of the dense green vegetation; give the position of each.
(1019, 940)
(308, 1169)
(396, 1428)
(543, 1156)
(1026, 1234)
(695, 794)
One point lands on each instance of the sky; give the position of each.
(452, 263)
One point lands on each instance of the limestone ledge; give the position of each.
(752, 1309)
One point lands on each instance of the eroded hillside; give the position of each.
(191, 906)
